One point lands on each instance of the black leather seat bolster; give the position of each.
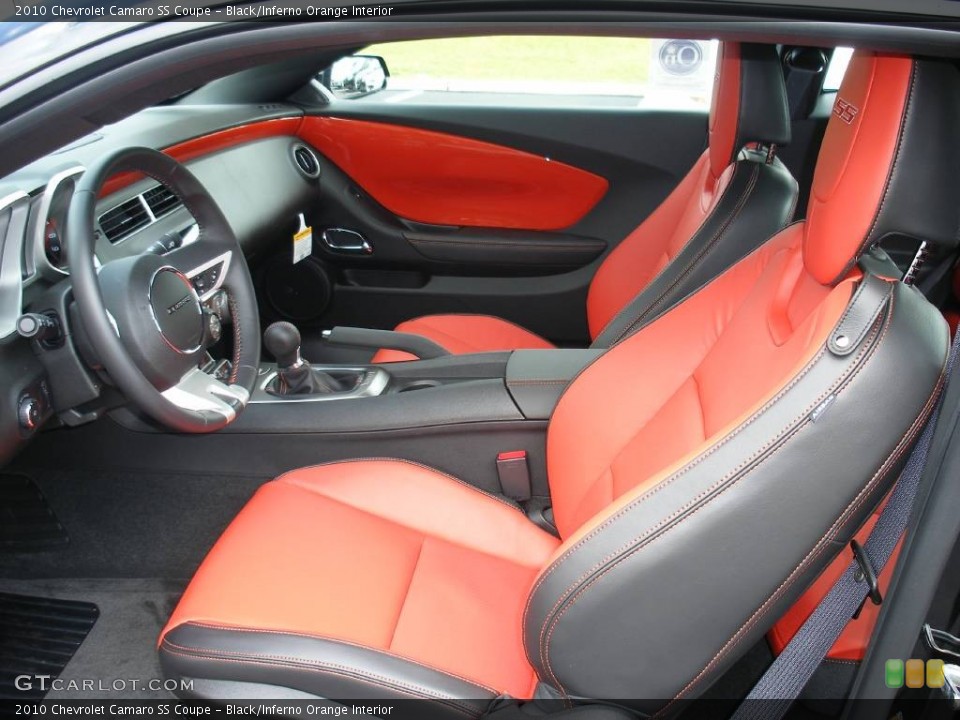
(700, 566)
(757, 203)
(325, 668)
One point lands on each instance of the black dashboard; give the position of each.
(256, 183)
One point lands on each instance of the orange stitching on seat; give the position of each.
(715, 447)
(709, 451)
(701, 254)
(817, 550)
(490, 495)
(388, 653)
(347, 669)
(545, 635)
(899, 450)
(646, 541)
(318, 667)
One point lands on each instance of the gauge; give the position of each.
(50, 227)
(53, 244)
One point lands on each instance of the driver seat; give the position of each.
(702, 472)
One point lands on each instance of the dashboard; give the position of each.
(244, 155)
(33, 227)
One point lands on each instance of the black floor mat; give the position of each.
(38, 636)
(130, 524)
(26, 521)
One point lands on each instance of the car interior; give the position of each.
(323, 387)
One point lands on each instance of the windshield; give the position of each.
(27, 46)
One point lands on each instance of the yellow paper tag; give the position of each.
(302, 244)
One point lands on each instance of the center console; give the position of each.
(457, 413)
(292, 394)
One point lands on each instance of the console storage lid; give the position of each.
(537, 378)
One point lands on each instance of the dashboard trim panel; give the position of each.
(204, 145)
(11, 273)
(40, 258)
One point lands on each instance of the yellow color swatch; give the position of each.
(935, 677)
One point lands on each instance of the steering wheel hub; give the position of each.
(176, 310)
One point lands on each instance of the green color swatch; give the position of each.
(894, 673)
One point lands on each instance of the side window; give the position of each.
(548, 71)
(837, 68)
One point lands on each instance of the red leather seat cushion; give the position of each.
(462, 334)
(383, 553)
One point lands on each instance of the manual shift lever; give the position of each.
(282, 340)
(294, 374)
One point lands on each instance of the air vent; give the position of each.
(306, 161)
(124, 219)
(161, 200)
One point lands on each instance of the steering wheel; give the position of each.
(143, 317)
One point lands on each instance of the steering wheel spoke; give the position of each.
(202, 392)
(207, 268)
(210, 274)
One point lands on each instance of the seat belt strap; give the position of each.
(786, 677)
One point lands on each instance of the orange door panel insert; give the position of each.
(442, 179)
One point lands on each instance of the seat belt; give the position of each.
(786, 677)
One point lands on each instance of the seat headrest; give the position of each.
(888, 164)
(749, 102)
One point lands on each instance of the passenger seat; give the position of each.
(735, 197)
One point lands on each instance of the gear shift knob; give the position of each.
(282, 340)
(294, 374)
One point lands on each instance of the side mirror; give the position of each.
(356, 75)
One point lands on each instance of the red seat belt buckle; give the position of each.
(514, 474)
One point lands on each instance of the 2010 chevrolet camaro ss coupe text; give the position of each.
(567, 360)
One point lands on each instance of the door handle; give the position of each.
(349, 242)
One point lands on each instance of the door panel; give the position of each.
(444, 179)
(642, 154)
(495, 248)
(437, 250)
(536, 276)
